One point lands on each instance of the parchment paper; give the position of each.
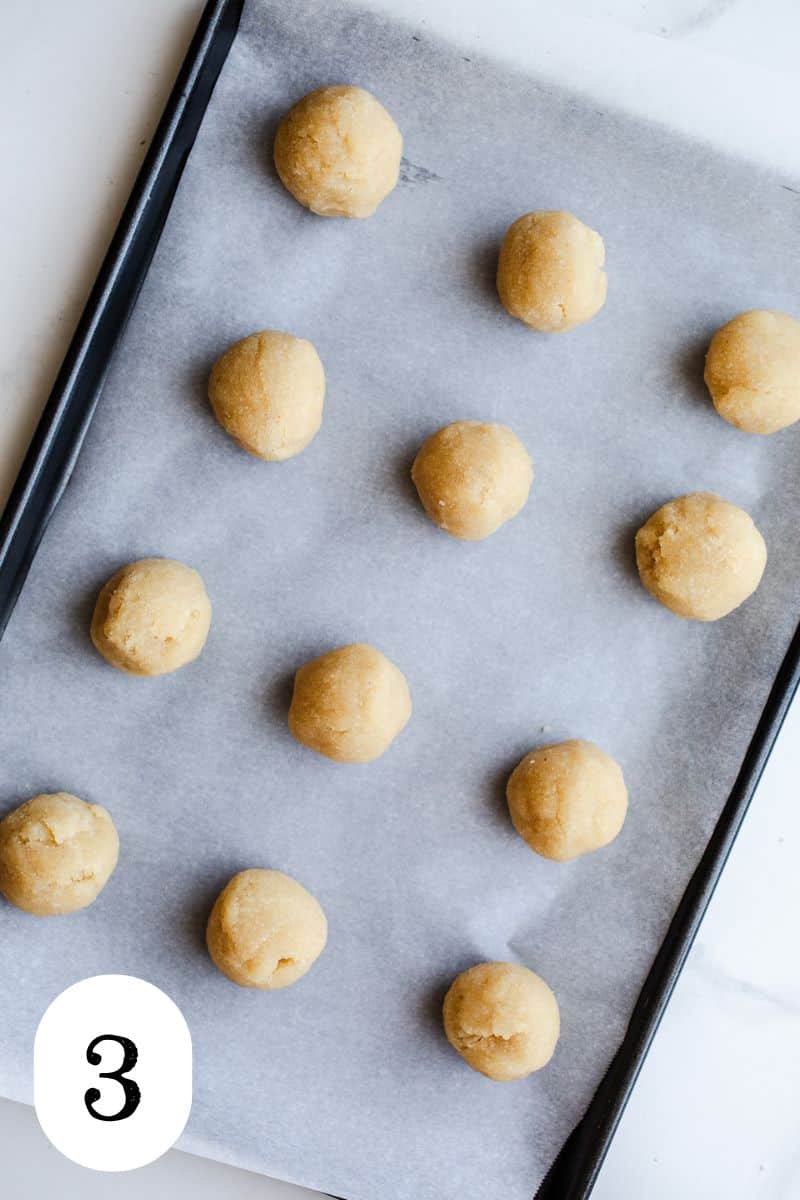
(345, 1082)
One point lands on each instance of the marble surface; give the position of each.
(714, 1112)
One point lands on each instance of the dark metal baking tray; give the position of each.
(51, 457)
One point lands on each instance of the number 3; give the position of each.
(130, 1054)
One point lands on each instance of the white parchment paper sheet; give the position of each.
(345, 1082)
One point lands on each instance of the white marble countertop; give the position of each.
(715, 1110)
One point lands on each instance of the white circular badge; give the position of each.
(112, 1072)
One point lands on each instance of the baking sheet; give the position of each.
(345, 1082)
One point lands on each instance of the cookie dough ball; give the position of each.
(338, 152)
(700, 556)
(350, 704)
(57, 854)
(152, 617)
(502, 1019)
(265, 930)
(550, 274)
(472, 478)
(267, 392)
(753, 371)
(567, 799)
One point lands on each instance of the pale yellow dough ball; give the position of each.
(57, 854)
(502, 1019)
(265, 930)
(700, 556)
(349, 704)
(152, 617)
(567, 799)
(268, 391)
(753, 371)
(550, 274)
(338, 152)
(472, 477)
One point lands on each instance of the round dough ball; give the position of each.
(502, 1019)
(57, 854)
(472, 478)
(550, 274)
(152, 617)
(700, 556)
(567, 799)
(350, 704)
(267, 392)
(753, 371)
(265, 930)
(338, 152)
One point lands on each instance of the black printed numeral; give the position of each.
(130, 1055)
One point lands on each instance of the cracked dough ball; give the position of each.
(502, 1019)
(57, 854)
(338, 152)
(267, 392)
(753, 371)
(472, 478)
(567, 799)
(152, 617)
(700, 556)
(265, 930)
(550, 274)
(350, 704)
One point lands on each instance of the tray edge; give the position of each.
(67, 414)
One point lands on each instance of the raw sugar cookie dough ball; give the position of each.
(152, 617)
(472, 477)
(267, 391)
(700, 556)
(57, 854)
(265, 930)
(753, 371)
(350, 704)
(338, 152)
(550, 274)
(502, 1019)
(567, 799)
